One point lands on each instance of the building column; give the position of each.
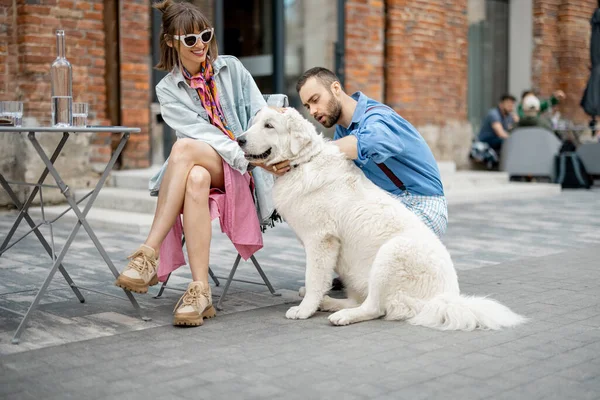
(520, 46)
(135, 75)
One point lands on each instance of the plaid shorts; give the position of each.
(433, 210)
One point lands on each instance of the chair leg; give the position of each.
(229, 279)
(162, 287)
(214, 277)
(263, 276)
(164, 284)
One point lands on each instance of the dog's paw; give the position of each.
(298, 312)
(341, 318)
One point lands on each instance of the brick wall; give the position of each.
(365, 34)
(561, 51)
(413, 55)
(28, 47)
(37, 22)
(426, 61)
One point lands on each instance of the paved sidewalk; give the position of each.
(539, 257)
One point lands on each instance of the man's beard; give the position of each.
(334, 111)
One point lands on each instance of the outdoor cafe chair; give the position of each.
(274, 100)
(530, 151)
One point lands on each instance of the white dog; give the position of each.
(391, 263)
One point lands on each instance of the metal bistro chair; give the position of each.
(275, 100)
(530, 151)
(589, 154)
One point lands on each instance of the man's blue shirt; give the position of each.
(385, 137)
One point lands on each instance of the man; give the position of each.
(531, 105)
(556, 97)
(388, 149)
(498, 122)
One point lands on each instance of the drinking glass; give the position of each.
(80, 114)
(11, 113)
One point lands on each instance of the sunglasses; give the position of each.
(190, 40)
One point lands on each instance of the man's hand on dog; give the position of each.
(276, 169)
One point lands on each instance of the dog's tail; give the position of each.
(456, 312)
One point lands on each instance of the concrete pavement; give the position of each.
(538, 256)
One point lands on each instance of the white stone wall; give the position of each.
(20, 162)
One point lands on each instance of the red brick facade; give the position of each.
(426, 60)
(425, 57)
(28, 47)
(412, 54)
(365, 45)
(561, 55)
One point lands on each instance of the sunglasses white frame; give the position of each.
(198, 36)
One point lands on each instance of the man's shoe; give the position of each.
(337, 284)
(194, 306)
(140, 272)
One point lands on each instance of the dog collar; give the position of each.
(307, 161)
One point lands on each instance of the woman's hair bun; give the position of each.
(163, 5)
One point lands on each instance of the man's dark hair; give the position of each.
(507, 97)
(323, 75)
(528, 91)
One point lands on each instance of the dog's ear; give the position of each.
(299, 129)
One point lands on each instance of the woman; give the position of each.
(208, 100)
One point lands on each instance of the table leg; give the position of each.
(229, 279)
(47, 281)
(82, 214)
(29, 200)
(42, 240)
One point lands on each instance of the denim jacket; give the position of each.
(240, 100)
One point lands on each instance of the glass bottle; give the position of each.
(62, 85)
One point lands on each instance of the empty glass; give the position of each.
(11, 113)
(80, 113)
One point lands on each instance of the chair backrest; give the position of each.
(589, 154)
(530, 151)
(276, 100)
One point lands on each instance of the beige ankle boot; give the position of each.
(194, 305)
(140, 272)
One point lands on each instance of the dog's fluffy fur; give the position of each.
(391, 263)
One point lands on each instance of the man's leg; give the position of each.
(432, 210)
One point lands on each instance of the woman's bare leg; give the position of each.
(186, 154)
(197, 223)
(196, 303)
(193, 168)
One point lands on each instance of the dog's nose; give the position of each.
(241, 142)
